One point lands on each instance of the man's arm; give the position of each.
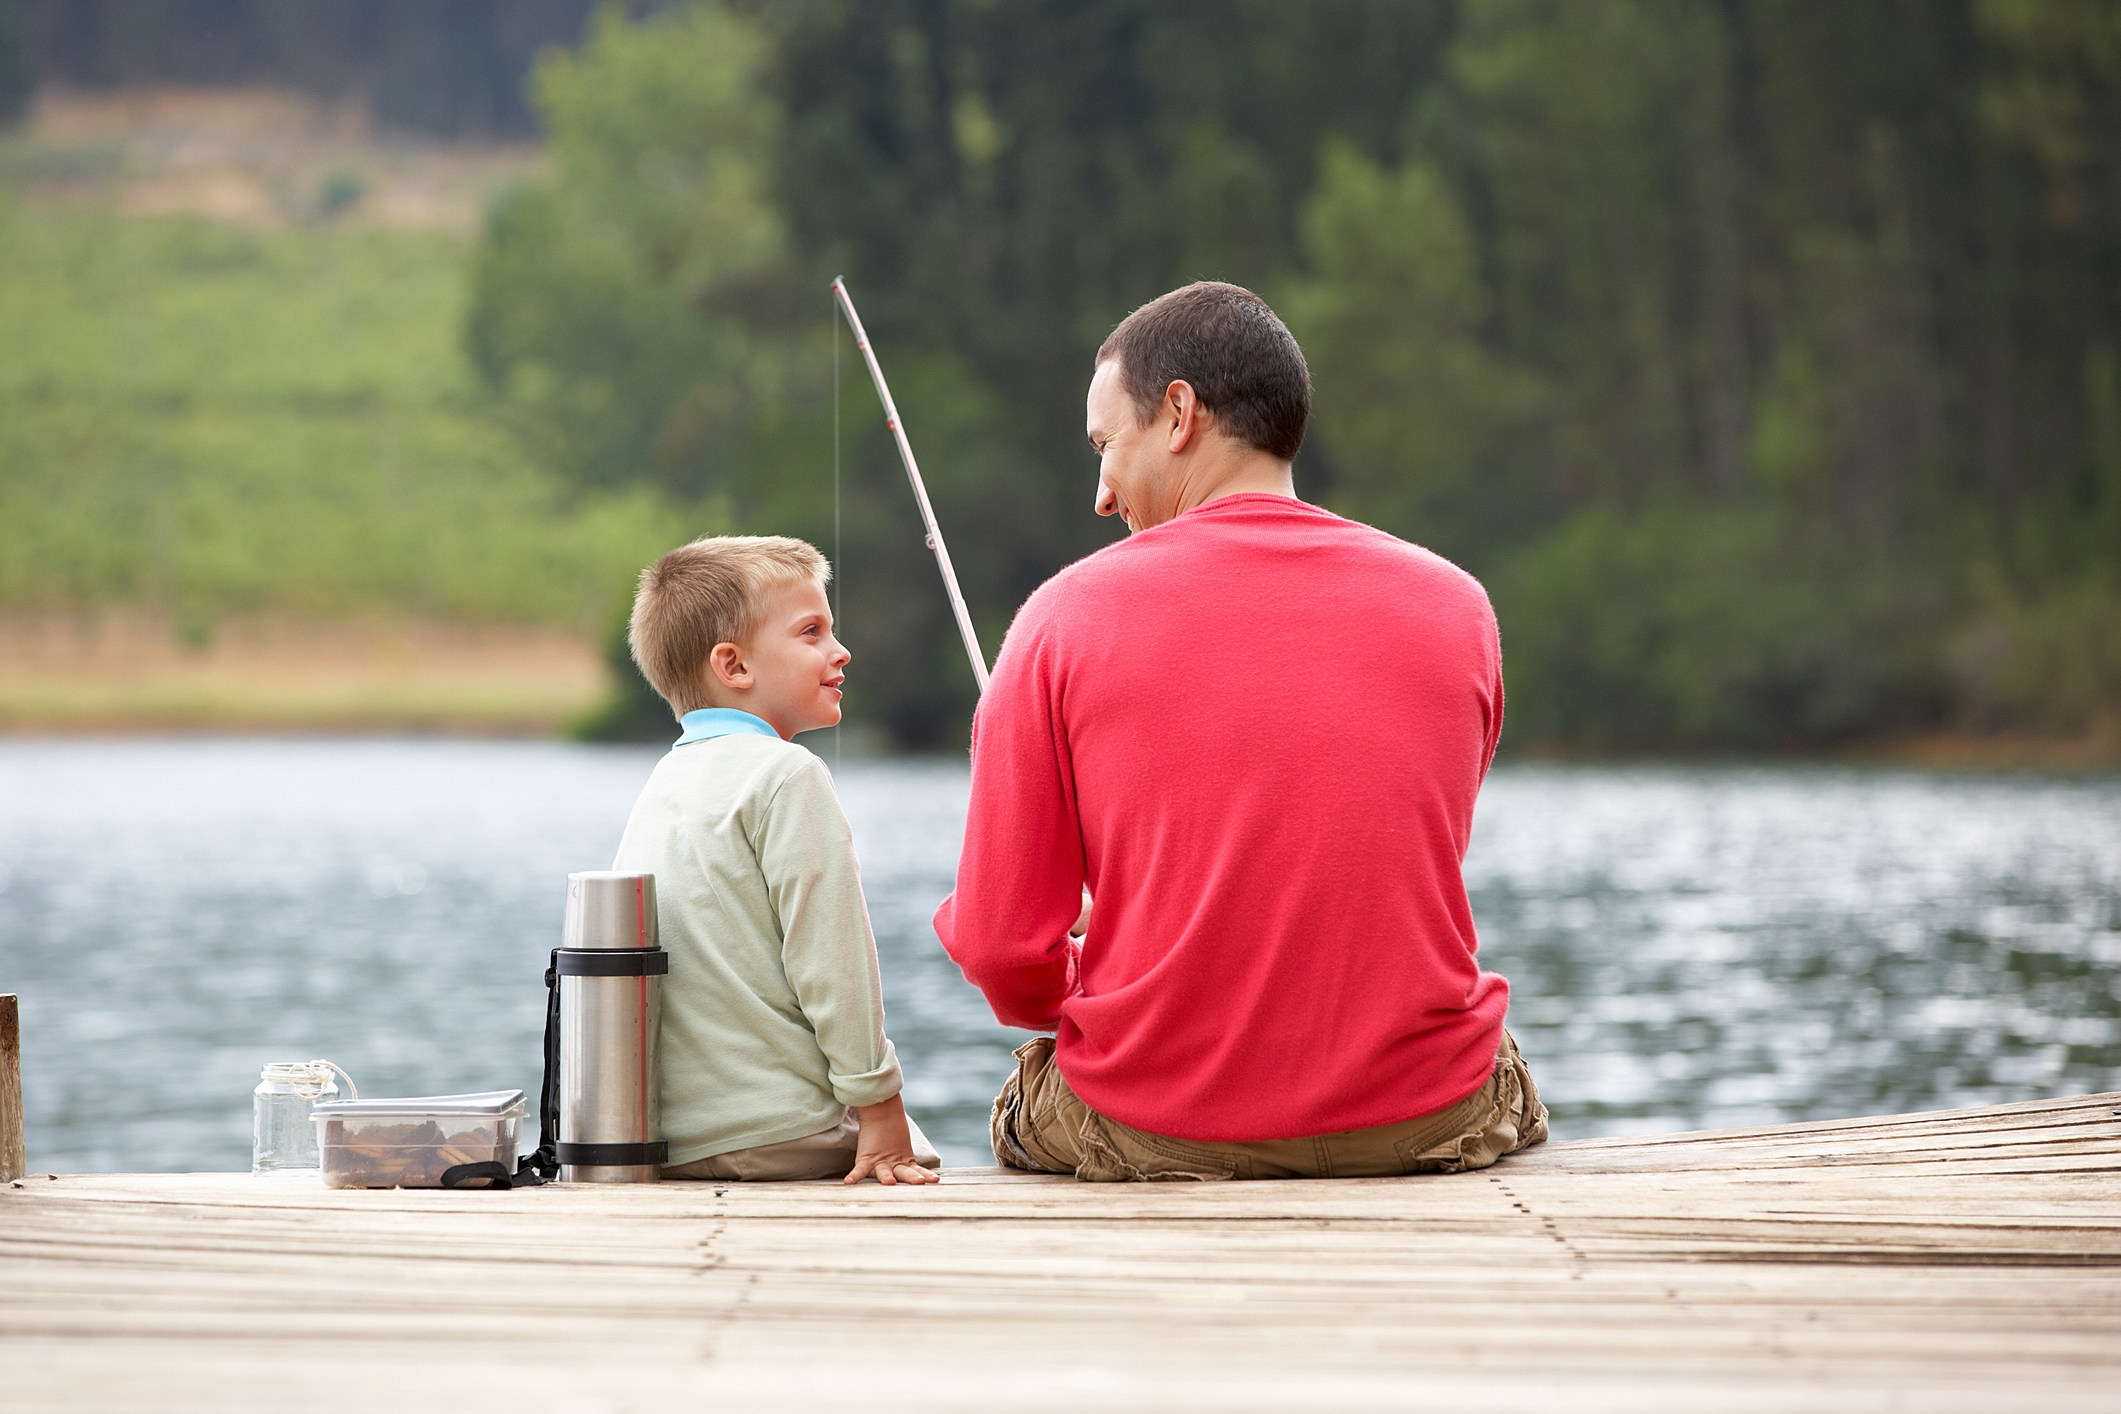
(1020, 877)
(1493, 736)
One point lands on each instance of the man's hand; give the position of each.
(886, 1147)
(1082, 920)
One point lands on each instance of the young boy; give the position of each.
(774, 1059)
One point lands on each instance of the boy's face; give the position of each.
(791, 669)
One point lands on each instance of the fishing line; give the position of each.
(839, 571)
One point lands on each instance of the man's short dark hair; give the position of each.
(1242, 361)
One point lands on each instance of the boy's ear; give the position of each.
(726, 664)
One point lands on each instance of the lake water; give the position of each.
(1687, 946)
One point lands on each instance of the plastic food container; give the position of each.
(433, 1141)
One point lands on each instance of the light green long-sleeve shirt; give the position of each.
(773, 1012)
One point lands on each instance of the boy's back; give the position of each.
(768, 1031)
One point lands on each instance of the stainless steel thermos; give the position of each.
(610, 972)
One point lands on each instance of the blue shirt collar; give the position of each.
(706, 723)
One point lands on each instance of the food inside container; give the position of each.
(432, 1141)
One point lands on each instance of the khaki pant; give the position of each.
(1039, 1124)
(829, 1153)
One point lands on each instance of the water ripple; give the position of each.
(1686, 946)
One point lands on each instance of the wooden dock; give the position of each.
(1961, 1260)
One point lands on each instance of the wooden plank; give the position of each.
(2079, 1132)
(14, 1160)
(1704, 1270)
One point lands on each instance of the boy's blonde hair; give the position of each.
(705, 593)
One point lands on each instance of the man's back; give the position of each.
(1257, 731)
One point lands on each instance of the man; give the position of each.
(1255, 732)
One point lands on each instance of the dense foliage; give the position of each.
(1763, 357)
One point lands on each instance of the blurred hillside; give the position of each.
(1763, 358)
(247, 476)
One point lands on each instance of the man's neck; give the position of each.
(1252, 473)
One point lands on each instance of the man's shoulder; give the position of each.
(1360, 551)
(1212, 544)
(1427, 565)
(1146, 555)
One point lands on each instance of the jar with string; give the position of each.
(282, 1136)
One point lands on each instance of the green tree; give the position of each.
(1421, 427)
(614, 304)
(1000, 185)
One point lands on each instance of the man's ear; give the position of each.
(727, 665)
(1183, 413)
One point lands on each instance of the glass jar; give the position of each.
(282, 1136)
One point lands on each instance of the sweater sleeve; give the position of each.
(806, 852)
(1492, 737)
(1020, 875)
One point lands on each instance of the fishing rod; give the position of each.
(920, 491)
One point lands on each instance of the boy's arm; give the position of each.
(806, 852)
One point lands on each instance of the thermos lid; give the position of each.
(607, 909)
(486, 1103)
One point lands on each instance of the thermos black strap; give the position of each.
(615, 1155)
(490, 1174)
(612, 962)
(539, 1165)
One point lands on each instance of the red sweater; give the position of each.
(1256, 732)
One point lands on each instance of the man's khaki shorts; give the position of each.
(1039, 1124)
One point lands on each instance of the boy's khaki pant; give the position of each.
(1039, 1124)
(829, 1153)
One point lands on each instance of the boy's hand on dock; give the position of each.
(885, 1149)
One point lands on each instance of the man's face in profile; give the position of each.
(1131, 456)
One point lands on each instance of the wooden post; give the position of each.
(13, 1161)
